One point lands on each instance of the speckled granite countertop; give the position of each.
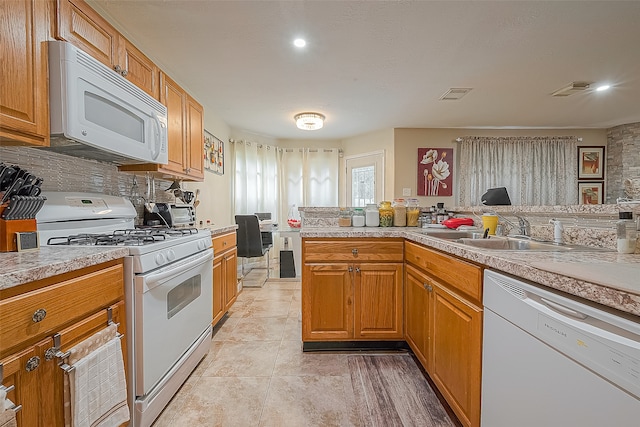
(606, 278)
(17, 268)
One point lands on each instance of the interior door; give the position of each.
(365, 178)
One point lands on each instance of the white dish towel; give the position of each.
(98, 390)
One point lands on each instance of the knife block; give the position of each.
(8, 230)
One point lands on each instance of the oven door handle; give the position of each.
(177, 269)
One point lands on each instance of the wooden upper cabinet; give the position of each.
(137, 68)
(80, 25)
(173, 97)
(194, 141)
(24, 90)
(83, 27)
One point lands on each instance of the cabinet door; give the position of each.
(327, 302)
(173, 97)
(140, 70)
(416, 313)
(194, 140)
(25, 370)
(80, 25)
(457, 355)
(230, 272)
(24, 93)
(219, 287)
(378, 301)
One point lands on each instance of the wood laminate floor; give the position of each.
(257, 375)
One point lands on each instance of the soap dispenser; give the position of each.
(557, 230)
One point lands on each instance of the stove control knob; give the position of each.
(171, 255)
(160, 259)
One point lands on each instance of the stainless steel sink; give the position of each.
(453, 234)
(514, 244)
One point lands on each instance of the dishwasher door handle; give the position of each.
(562, 309)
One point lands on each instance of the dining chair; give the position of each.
(250, 242)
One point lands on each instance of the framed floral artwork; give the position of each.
(590, 162)
(213, 154)
(435, 171)
(590, 193)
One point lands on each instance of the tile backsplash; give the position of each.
(65, 173)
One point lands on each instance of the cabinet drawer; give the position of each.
(457, 274)
(58, 305)
(223, 243)
(353, 250)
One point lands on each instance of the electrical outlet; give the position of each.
(406, 191)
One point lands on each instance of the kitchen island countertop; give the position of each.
(603, 277)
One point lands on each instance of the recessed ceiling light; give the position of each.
(603, 87)
(299, 43)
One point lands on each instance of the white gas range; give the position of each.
(168, 290)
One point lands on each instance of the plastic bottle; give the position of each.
(399, 213)
(358, 219)
(626, 233)
(386, 214)
(372, 216)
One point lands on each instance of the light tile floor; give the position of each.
(257, 375)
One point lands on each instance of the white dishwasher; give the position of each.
(550, 360)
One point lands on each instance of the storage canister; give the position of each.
(626, 233)
(344, 220)
(386, 214)
(399, 213)
(357, 219)
(413, 212)
(372, 216)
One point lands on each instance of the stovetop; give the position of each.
(127, 237)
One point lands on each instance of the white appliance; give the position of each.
(551, 360)
(98, 114)
(168, 290)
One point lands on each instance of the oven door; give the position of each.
(173, 307)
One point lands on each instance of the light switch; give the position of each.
(406, 191)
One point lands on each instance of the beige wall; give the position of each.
(407, 141)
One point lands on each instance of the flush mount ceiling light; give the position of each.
(299, 43)
(309, 121)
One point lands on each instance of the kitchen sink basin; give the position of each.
(514, 244)
(454, 234)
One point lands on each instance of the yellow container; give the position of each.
(490, 221)
(386, 214)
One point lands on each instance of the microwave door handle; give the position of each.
(159, 130)
(152, 279)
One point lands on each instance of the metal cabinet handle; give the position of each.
(350, 269)
(124, 73)
(117, 69)
(39, 315)
(428, 287)
(50, 353)
(32, 363)
(357, 269)
(354, 252)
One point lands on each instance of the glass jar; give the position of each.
(372, 215)
(358, 219)
(413, 212)
(344, 220)
(626, 233)
(399, 213)
(386, 214)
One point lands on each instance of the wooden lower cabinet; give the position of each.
(31, 366)
(443, 319)
(225, 274)
(356, 294)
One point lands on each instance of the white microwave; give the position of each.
(98, 114)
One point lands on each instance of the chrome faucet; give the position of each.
(524, 227)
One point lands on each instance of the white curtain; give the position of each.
(271, 179)
(256, 183)
(535, 170)
(309, 177)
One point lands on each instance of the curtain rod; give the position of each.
(459, 139)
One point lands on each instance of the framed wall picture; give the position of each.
(590, 193)
(213, 154)
(435, 171)
(590, 162)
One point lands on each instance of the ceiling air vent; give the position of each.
(573, 87)
(455, 93)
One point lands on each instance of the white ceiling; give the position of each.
(372, 65)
